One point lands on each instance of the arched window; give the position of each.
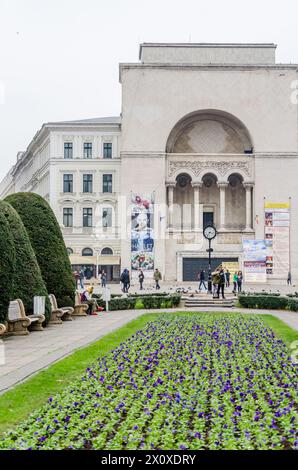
(107, 251)
(87, 252)
(69, 251)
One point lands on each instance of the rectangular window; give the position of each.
(107, 217)
(87, 150)
(67, 217)
(208, 218)
(107, 184)
(87, 217)
(67, 183)
(68, 150)
(87, 183)
(107, 150)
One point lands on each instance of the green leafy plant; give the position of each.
(139, 304)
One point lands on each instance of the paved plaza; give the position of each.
(27, 355)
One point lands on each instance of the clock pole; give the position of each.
(209, 269)
(209, 233)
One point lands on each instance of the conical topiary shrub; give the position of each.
(27, 281)
(7, 267)
(47, 242)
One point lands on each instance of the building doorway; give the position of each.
(192, 266)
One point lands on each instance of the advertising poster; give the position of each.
(277, 237)
(255, 256)
(142, 234)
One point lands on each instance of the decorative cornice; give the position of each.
(197, 167)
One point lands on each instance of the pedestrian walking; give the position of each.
(215, 282)
(157, 277)
(201, 277)
(141, 279)
(289, 280)
(103, 278)
(82, 278)
(228, 278)
(240, 281)
(125, 279)
(221, 284)
(235, 282)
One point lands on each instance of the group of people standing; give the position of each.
(221, 279)
(125, 279)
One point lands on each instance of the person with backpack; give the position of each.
(221, 284)
(125, 279)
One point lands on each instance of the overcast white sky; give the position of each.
(59, 58)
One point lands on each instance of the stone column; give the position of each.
(222, 204)
(170, 187)
(197, 214)
(248, 187)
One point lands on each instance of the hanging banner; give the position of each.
(142, 234)
(277, 237)
(254, 256)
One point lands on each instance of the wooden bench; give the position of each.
(80, 308)
(66, 311)
(2, 329)
(18, 321)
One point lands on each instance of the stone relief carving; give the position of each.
(197, 167)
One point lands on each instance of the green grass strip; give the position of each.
(18, 403)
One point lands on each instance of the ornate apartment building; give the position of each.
(208, 134)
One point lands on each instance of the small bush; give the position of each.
(7, 266)
(139, 304)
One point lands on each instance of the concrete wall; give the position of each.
(155, 99)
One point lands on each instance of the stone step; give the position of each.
(209, 302)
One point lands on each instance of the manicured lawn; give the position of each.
(16, 405)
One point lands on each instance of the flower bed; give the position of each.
(183, 382)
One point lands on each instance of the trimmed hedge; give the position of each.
(144, 301)
(7, 266)
(293, 304)
(266, 302)
(47, 242)
(27, 281)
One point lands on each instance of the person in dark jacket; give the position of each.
(221, 284)
(240, 281)
(125, 279)
(141, 279)
(201, 277)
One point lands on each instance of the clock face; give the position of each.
(210, 232)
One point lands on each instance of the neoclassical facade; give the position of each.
(208, 132)
(212, 130)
